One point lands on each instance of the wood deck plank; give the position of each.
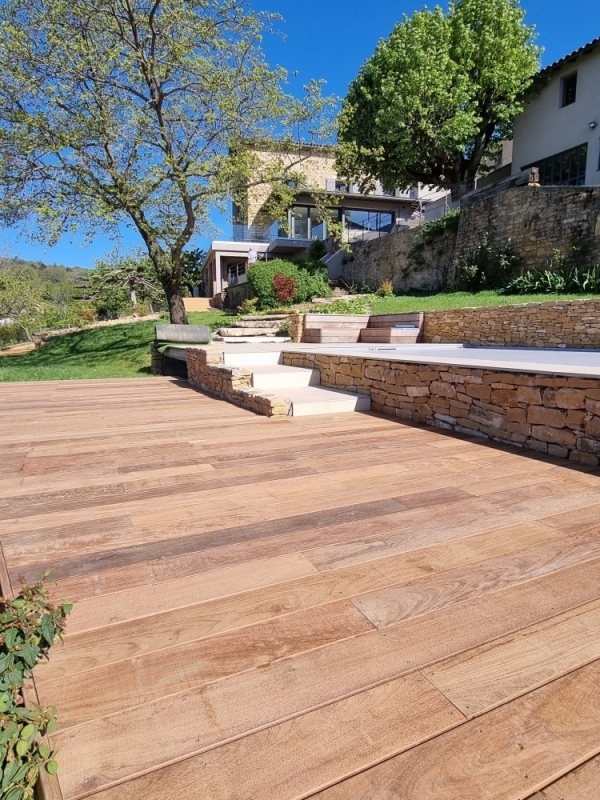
(228, 572)
(506, 755)
(582, 783)
(301, 756)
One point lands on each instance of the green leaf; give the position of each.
(10, 770)
(44, 751)
(28, 731)
(67, 607)
(51, 725)
(48, 629)
(10, 637)
(30, 654)
(14, 794)
(5, 662)
(22, 747)
(52, 767)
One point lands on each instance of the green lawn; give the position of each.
(435, 302)
(119, 351)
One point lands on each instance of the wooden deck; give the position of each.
(339, 607)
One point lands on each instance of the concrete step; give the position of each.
(255, 359)
(317, 400)
(278, 376)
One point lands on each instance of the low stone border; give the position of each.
(553, 414)
(207, 372)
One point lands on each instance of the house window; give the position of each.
(342, 186)
(569, 90)
(563, 169)
(303, 223)
(364, 225)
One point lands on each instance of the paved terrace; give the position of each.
(338, 607)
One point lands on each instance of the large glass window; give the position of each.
(363, 225)
(299, 222)
(564, 169)
(317, 226)
(303, 223)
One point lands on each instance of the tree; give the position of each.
(192, 266)
(22, 301)
(118, 282)
(136, 112)
(437, 94)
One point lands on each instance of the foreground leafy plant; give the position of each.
(29, 625)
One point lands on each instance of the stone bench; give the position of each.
(174, 340)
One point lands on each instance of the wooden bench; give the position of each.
(322, 328)
(393, 329)
(174, 339)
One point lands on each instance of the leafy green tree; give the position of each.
(437, 94)
(118, 282)
(192, 265)
(22, 301)
(137, 112)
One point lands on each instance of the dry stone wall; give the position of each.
(552, 414)
(404, 260)
(535, 222)
(573, 323)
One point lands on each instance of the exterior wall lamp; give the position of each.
(593, 125)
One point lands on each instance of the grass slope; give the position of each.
(123, 351)
(442, 301)
(118, 351)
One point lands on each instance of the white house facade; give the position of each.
(559, 130)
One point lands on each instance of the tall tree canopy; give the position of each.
(137, 111)
(437, 94)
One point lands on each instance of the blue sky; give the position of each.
(330, 39)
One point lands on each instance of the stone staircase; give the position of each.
(301, 387)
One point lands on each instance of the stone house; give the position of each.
(256, 234)
(559, 129)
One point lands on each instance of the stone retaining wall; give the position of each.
(574, 323)
(534, 222)
(552, 414)
(207, 372)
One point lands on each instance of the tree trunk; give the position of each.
(176, 306)
(132, 295)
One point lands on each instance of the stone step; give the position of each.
(317, 400)
(252, 339)
(279, 317)
(249, 359)
(278, 376)
(231, 332)
(258, 323)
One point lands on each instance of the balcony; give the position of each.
(254, 233)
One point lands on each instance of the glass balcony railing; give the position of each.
(254, 233)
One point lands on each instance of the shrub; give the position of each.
(356, 305)
(487, 267)
(11, 333)
(385, 290)
(29, 625)
(261, 274)
(248, 306)
(285, 288)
